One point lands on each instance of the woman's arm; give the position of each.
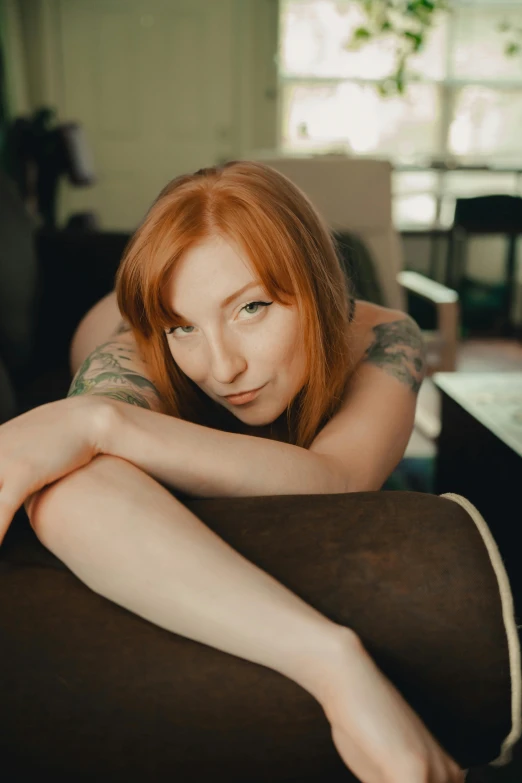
(205, 462)
(182, 455)
(356, 451)
(115, 369)
(370, 432)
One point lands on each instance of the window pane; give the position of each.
(403, 127)
(478, 49)
(406, 183)
(414, 210)
(479, 183)
(488, 123)
(467, 184)
(314, 34)
(414, 202)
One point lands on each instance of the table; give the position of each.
(479, 455)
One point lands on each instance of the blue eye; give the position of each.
(250, 304)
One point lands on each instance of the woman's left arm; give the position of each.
(369, 434)
(205, 462)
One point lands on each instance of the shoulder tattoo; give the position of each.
(398, 348)
(114, 370)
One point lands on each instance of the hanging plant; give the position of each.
(512, 38)
(407, 23)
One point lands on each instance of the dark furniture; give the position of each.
(480, 454)
(482, 215)
(91, 691)
(48, 281)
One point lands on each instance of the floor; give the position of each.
(474, 356)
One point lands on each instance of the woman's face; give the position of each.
(235, 347)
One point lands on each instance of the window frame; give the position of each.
(448, 88)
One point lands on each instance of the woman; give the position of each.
(231, 284)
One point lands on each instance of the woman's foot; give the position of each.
(377, 734)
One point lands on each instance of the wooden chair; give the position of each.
(480, 216)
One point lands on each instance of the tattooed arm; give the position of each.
(396, 347)
(369, 434)
(116, 369)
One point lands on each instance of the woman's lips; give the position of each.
(241, 399)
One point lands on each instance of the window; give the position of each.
(465, 105)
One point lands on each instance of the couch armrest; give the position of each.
(446, 301)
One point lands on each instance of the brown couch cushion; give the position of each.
(8, 404)
(92, 691)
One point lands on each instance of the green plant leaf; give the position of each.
(383, 88)
(389, 18)
(362, 33)
(512, 49)
(417, 39)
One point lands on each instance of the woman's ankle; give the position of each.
(320, 673)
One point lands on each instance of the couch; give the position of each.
(90, 690)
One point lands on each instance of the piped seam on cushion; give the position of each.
(508, 615)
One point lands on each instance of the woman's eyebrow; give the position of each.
(231, 298)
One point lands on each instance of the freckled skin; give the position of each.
(241, 347)
(245, 346)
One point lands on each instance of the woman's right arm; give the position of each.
(116, 369)
(113, 369)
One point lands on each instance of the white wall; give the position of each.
(233, 76)
(16, 77)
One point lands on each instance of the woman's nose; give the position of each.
(227, 361)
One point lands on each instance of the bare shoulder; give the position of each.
(105, 359)
(368, 317)
(102, 322)
(389, 339)
(368, 314)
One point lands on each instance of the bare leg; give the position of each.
(128, 539)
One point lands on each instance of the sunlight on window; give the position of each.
(356, 116)
(478, 50)
(408, 182)
(414, 210)
(315, 34)
(487, 122)
(314, 38)
(463, 103)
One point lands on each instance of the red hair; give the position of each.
(290, 248)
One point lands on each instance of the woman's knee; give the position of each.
(52, 506)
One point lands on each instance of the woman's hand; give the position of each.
(44, 444)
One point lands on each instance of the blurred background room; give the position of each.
(401, 119)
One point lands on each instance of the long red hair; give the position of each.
(290, 248)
